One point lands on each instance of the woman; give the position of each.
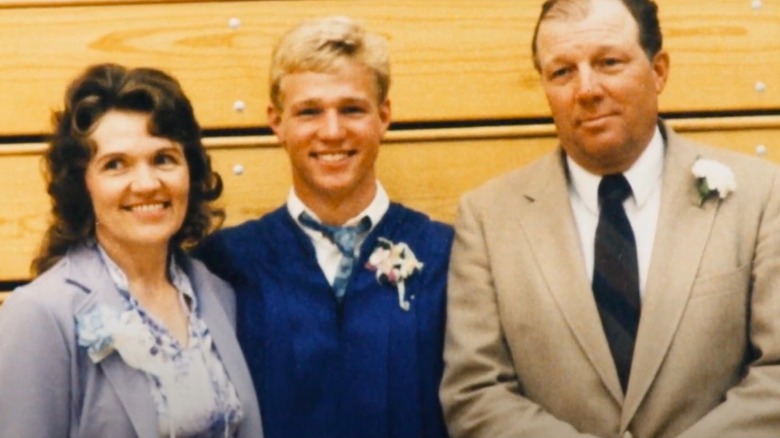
(121, 334)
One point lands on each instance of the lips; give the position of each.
(332, 156)
(594, 121)
(148, 207)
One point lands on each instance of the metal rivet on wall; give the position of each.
(757, 4)
(238, 169)
(234, 23)
(760, 87)
(761, 150)
(239, 106)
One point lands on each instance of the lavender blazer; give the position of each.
(50, 388)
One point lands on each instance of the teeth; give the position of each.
(333, 156)
(145, 208)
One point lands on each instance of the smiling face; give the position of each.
(331, 126)
(602, 88)
(138, 183)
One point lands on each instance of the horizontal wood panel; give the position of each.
(428, 171)
(451, 59)
(17, 4)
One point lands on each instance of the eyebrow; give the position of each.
(318, 101)
(599, 50)
(174, 147)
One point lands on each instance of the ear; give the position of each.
(275, 121)
(661, 70)
(385, 115)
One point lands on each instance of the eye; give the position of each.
(559, 73)
(113, 164)
(353, 109)
(307, 112)
(165, 158)
(611, 62)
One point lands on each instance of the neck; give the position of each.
(337, 210)
(145, 267)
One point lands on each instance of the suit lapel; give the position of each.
(131, 387)
(550, 228)
(672, 269)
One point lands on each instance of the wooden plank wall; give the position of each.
(467, 104)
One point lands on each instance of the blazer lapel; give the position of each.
(131, 387)
(223, 336)
(550, 228)
(671, 274)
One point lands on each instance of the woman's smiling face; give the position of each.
(139, 184)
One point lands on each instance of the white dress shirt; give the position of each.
(328, 254)
(642, 208)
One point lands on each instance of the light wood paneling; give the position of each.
(19, 4)
(427, 170)
(404, 168)
(452, 59)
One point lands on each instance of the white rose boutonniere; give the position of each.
(394, 263)
(104, 330)
(713, 178)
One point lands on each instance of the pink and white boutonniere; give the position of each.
(713, 179)
(394, 263)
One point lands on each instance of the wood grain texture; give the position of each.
(17, 4)
(451, 59)
(428, 171)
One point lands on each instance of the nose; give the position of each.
(332, 126)
(145, 179)
(589, 85)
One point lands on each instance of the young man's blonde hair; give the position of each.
(325, 45)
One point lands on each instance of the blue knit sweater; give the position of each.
(364, 368)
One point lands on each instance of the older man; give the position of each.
(626, 284)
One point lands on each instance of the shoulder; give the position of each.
(416, 224)
(228, 236)
(240, 236)
(207, 284)
(430, 240)
(536, 174)
(201, 275)
(755, 177)
(44, 309)
(226, 250)
(51, 291)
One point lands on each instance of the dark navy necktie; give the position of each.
(616, 274)
(345, 239)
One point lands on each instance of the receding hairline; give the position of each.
(572, 10)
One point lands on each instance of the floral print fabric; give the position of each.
(193, 395)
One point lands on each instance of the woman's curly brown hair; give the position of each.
(100, 89)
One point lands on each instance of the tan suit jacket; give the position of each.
(525, 353)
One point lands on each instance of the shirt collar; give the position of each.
(375, 210)
(643, 176)
(176, 275)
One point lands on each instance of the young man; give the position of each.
(554, 264)
(340, 292)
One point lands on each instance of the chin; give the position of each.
(152, 239)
